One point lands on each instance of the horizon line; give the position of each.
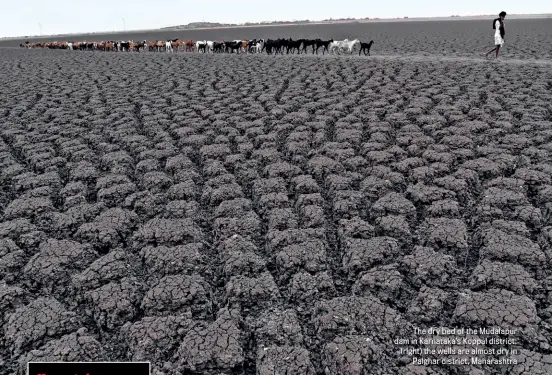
(248, 24)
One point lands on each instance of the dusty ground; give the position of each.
(525, 39)
(241, 214)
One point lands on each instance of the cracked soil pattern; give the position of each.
(223, 214)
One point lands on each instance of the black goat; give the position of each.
(294, 45)
(365, 47)
(231, 46)
(323, 43)
(218, 47)
(309, 43)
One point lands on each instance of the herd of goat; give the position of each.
(271, 46)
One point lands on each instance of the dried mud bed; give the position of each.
(241, 214)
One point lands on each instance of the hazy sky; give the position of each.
(20, 18)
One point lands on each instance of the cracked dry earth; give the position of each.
(271, 215)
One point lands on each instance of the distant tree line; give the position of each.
(195, 25)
